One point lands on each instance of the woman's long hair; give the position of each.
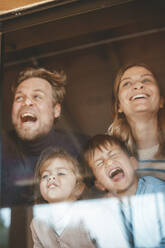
(120, 126)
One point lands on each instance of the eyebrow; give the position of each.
(35, 90)
(60, 168)
(108, 153)
(143, 75)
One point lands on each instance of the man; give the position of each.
(38, 95)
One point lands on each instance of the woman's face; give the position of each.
(138, 92)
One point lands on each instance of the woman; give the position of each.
(139, 117)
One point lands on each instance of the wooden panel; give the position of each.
(13, 4)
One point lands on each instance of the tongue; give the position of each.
(118, 176)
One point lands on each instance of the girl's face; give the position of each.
(58, 182)
(138, 92)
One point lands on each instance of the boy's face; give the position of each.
(58, 182)
(115, 170)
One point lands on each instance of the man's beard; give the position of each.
(28, 134)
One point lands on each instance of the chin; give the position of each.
(29, 136)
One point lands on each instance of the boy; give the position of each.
(114, 168)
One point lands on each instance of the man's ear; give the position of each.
(57, 110)
(134, 162)
(161, 105)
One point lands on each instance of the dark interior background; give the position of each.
(89, 40)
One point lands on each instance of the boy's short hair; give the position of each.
(102, 141)
(49, 154)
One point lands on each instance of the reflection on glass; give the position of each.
(102, 223)
(5, 219)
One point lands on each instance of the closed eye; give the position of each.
(61, 173)
(99, 163)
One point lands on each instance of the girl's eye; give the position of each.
(61, 174)
(44, 176)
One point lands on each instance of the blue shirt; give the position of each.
(149, 185)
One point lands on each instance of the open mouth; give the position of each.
(116, 173)
(28, 117)
(139, 96)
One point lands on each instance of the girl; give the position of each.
(58, 179)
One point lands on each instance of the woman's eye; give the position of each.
(18, 98)
(146, 80)
(127, 83)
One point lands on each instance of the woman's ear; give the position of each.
(119, 109)
(161, 105)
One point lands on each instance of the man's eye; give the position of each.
(37, 97)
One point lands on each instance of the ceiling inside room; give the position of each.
(89, 40)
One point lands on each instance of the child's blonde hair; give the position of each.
(49, 154)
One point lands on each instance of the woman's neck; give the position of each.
(145, 132)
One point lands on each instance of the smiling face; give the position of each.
(58, 181)
(138, 92)
(115, 170)
(33, 112)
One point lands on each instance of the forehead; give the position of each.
(34, 84)
(136, 70)
(55, 164)
(103, 151)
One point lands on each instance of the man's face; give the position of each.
(33, 112)
(114, 169)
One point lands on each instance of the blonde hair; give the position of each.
(120, 126)
(47, 155)
(57, 80)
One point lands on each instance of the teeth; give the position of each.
(115, 171)
(27, 114)
(28, 117)
(138, 96)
